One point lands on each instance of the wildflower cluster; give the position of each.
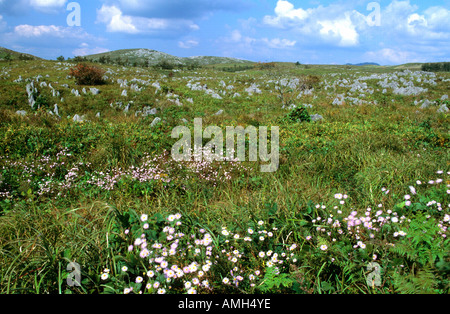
(250, 254)
(367, 225)
(171, 261)
(56, 176)
(176, 261)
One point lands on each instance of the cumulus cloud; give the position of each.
(340, 30)
(332, 24)
(41, 37)
(286, 15)
(405, 32)
(116, 21)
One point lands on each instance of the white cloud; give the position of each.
(285, 13)
(341, 30)
(176, 9)
(278, 43)
(188, 44)
(29, 31)
(117, 22)
(332, 24)
(19, 7)
(236, 38)
(388, 56)
(48, 37)
(85, 50)
(48, 6)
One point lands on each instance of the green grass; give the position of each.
(69, 190)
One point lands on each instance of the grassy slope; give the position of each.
(14, 54)
(356, 150)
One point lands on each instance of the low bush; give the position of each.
(87, 75)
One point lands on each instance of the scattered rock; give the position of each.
(22, 113)
(56, 110)
(94, 91)
(443, 109)
(77, 118)
(426, 103)
(155, 122)
(316, 117)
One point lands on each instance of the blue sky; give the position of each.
(311, 31)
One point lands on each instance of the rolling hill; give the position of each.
(154, 57)
(4, 52)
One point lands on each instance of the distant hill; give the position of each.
(154, 57)
(364, 64)
(4, 52)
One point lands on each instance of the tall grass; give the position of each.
(55, 207)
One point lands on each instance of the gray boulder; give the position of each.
(155, 122)
(443, 109)
(77, 118)
(316, 117)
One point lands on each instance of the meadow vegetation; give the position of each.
(86, 176)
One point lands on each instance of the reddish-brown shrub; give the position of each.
(87, 75)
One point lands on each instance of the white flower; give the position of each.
(144, 217)
(323, 247)
(104, 276)
(261, 254)
(124, 268)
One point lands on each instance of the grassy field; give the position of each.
(358, 205)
